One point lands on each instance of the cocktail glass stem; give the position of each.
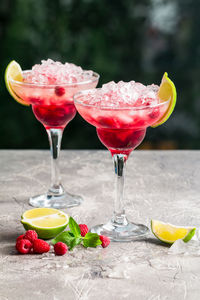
(55, 137)
(119, 217)
(56, 196)
(119, 228)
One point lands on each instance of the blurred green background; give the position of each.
(119, 39)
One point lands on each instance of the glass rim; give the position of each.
(95, 77)
(81, 93)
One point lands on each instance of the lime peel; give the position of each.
(189, 235)
(49, 223)
(167, 91)
(169, 233)
(14, 71)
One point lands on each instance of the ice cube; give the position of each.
(125, 118)
(180, 247)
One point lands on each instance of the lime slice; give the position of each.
(166, 91)
(47, 222)
(169, 233)
(14, 71)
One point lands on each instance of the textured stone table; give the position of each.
(160, 184)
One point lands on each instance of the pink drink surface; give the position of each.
(49, 87)
(121, 113)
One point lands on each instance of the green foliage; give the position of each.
(91, 240)
(73, 237)
(67, 238)
(74, 227)
(119, 39)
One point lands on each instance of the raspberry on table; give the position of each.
(105, 241)
(31, 235)
(60, 248)
(40, 246)
(24, 246)
(20, 237)
(84, 229)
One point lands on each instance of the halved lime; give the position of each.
(47, 222)
(14, 71)
(169, 233)
(167, 91)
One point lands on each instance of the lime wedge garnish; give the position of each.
(169, 233)
(166, 91)
(47, 222)
(14, 71)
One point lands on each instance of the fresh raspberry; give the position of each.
(107, 122)
(105, 241)
(84, 229)
(139, 122)
(19, 238)
(31, 235)
(60, 248)
(24, 246)
(40, 246)
(59, 91)
(155, 113)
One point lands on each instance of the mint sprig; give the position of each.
(68, 238)
(74, 227)
(91, 240)
(73, 237)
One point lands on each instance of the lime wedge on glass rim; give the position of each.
(47, 222)
(167, 91)
(14, 71)
(169, 233)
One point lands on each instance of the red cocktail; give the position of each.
(49, 88)
(121, 129)
(121, 114)
(54, 116)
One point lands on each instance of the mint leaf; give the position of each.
(69, 232)
(74, 227)
(62, 237)
(75, 242)
(91, 240)
(68, 238)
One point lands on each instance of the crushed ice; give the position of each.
(54, 72)
(114, 94)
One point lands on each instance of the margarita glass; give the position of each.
(52, 104)
(121, 114)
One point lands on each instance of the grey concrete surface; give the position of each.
(159, 184)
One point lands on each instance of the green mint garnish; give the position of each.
(62, 237)
(91, 240)
(75, 242)
(75, 229)
(68, 238)
(73, 237)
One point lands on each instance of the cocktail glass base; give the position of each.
(56, 201)
(121, 233)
